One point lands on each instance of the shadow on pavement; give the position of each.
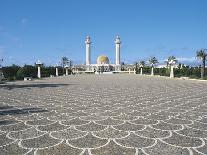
(9, 110)
(29, 86)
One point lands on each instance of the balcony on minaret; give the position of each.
(88, 40)
(117, 41)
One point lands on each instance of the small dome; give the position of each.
(102, 60)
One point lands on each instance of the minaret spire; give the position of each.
(118, 43)
(88, 50)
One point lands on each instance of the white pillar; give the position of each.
(134, 71)
(38, 72)
(88, 50)
(171, 71)
(56, 69)
(141, 71)
(129, 71)
(152, 71)
(66, 71)
(118, 44)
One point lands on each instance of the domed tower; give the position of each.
(118, 44)
(88, 50)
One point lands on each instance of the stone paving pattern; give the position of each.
(104, 115)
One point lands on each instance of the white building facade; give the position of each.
(103, 63)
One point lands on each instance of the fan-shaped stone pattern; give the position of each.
(191, 132)
(144, 121)
(40, 142)
(13, 149)
(152, 133)
(203, 149)
(125, 117)
(26, 134)
(129, 127)
(14, 127)
(39, 122)
(91, 127)
(111, 133)
(164, 149)
(198, 125)
(136, 141)
(52, 127)
(93, 117)
(113, 149)
(4, 140)
(178, 121)
(60, 118)
(183, 141)
(69, 133)
(54, 113)
(75, 121)
(167, 126)
(88, 141)
(110, 121)
(60, 149)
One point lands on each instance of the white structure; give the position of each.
(56, 71)
(172, 63)
(152, 71)
(103, 63)
(118, 44)
(38, 63)
(88, 50)
(66, 70)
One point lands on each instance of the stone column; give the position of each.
(171, 71)
(152, 71)
(118, 43)
(129, 71)
(66, 71)
(56, 70)
(141, 71)
(134, 71)
(88, 50)
(38, 72)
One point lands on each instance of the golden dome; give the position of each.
(102, 60)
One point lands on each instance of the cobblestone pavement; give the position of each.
(104, 115)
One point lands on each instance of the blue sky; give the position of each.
(49, 29)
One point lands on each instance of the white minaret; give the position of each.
(118, 43)
(88, 50)
(38, 63)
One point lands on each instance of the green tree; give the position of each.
(202, 56)
(10, 72)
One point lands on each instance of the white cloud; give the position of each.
(186, 59)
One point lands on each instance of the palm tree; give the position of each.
(170, 62)
(152, 62)
(141, 65)
(202, 56)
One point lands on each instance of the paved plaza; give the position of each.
(104, 115)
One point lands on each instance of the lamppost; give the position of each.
(141, 67)
(56, 70)
(39, 64)
(172, 63)
(66, 70)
